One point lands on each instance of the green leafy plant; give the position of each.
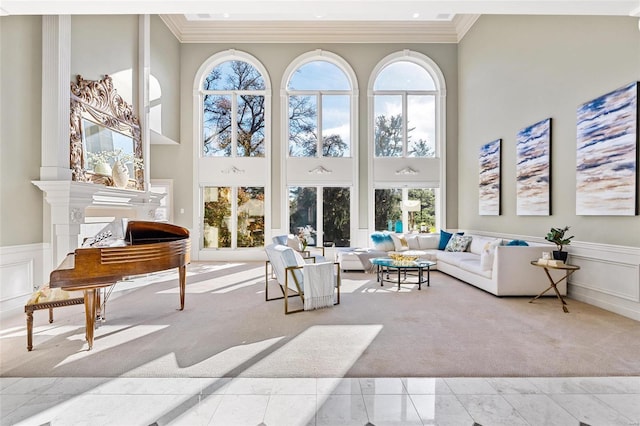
(556, 236)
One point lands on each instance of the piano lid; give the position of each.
(122, 232)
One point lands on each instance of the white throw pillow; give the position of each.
(488, 254)
(399, 242)
(294, 242)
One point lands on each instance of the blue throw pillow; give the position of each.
(517, 243)
(445, 237)
(380, 237)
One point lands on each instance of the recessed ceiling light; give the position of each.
(415, 15)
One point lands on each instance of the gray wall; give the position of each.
(106, 45)
(276, 58)
(515, 71)
(165, 68)
(21, 202)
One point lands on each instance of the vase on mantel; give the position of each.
(120, 174)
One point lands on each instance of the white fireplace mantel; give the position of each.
(72, 203)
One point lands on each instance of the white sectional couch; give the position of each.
(503, 270)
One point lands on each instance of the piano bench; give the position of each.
(47, 298)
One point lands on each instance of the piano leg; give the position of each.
(182, 270)
(90, 308)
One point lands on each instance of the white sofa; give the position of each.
(507, 271)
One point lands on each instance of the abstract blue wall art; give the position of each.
(607, 154)
(489, 195)
(533, 169)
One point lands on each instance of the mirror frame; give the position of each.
(98, 101)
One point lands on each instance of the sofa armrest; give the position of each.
(514, 274)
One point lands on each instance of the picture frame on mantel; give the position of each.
(490, 179)
(607, 154)
(533, 169)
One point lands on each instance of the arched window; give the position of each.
(232, 167)
(407, 140)
(319, 109)
(404, 111)
(233, 111)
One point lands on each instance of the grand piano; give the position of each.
(122, 249)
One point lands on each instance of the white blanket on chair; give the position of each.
(319, 285)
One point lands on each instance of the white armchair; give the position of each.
(317, 284)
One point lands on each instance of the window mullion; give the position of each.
(234, 124)
(405, 125)
(320, 213)
(319, 123)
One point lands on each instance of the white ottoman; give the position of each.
(349, 258)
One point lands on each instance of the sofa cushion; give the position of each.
(458, 243)
(473, 265)
(454, 258)
(382, 241)
(429, 241)
(517, 243)
(487, 255)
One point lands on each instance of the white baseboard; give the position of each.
(23, 268)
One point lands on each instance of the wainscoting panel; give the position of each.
(22, 269)
(614, 278)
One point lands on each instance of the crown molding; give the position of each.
(319, 32)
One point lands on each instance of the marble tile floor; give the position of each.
(602, 401)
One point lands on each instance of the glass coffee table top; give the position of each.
(385, 264)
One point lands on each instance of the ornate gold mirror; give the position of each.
(106, 146)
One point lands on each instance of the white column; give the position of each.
(144, 65)
(56, 71)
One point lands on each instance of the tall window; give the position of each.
(232, 165)
(233, 111)
(413, 208)
(407, 143)
(319, 110)
(404, 111)
(306, 204)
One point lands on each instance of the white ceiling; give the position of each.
(321, 20)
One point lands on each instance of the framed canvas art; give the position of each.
(607, 154)
(533, 169)
(489, 188)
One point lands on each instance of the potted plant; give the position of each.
(557, 236)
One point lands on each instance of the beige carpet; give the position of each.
(449, 329)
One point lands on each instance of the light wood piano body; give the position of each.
(143, 247)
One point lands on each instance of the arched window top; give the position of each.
(319, 75)
(404, 75)
(234, 75)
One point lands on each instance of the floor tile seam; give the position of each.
(551, 400)
(631, 421)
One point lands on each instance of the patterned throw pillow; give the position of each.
(458, 243)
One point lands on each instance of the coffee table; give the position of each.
(385, 264)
